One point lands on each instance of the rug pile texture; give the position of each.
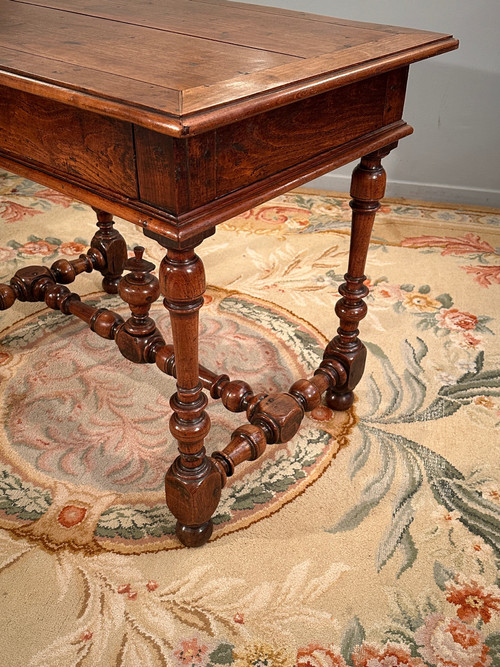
(371, 539)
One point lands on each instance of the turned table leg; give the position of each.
(367, 188)
(193, 482)
(111, 243)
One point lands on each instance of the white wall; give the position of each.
(453, 100)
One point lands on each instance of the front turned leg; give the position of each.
(111, 243)
(367, 188)
(193, 482)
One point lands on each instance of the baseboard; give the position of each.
(420, 191)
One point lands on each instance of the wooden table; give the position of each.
(176, 116)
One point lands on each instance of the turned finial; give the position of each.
(138, 338)
(139, 288)
(139, 268)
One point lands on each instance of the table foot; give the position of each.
(192, 496)
(339, 402)
(194, 536)
(110, 285)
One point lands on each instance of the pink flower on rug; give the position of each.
(71, 248)
(389, 655)
(191, 653)
(37, 248)
(124, 588)
(454, 319)
(484, 275)
(447, 642)
(473, 600)
(152, 585)
(315, 655)
(6, 254)
(466, 245)
(390, 293)
(277, 214)
(71, 515)
(55, 197)
(13, 212)
(86, 636)
(468, 340)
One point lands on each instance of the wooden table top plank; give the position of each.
(146, 54)
(61, 79)
(331, 70)
(305, 16)
(297, 35)
(132, 72)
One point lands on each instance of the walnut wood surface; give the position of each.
(171, 65)
(53, 134)
(181, 114)
(367, 189)
(287, 136)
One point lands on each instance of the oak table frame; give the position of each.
(176, 117)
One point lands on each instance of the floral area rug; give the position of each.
(371, 539)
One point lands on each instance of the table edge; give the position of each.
(195, 120)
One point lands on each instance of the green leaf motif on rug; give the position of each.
(493, 643)
(442, 575)
(21, 499)
(353, 636)
(135, 523)
(402, 401)
(223, 655)
(275, 476)
(303, 344)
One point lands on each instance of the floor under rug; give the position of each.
(372, 538)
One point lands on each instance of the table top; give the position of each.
(185, 66)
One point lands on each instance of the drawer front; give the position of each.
(73, 144)
(258, 147)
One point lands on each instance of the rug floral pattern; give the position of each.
(373, 539)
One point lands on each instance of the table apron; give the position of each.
(180, 188)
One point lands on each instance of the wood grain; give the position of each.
(150, 55)
(330, 70)
(161, 169)
(255, 148)
(85, 146)
(178, 231)
(188, 66)
(243, 26)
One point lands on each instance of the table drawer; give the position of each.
(76, 145)
(258, 147)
